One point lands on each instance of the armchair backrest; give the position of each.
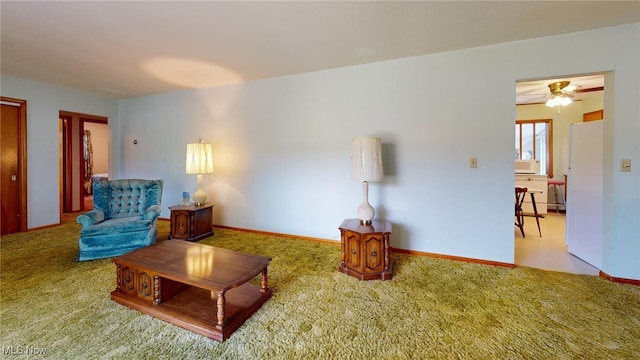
(126, 197)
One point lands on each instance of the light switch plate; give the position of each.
(625, 165)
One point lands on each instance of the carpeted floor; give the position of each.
(54, 307)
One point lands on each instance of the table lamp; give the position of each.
(366, 166)
(199, 161)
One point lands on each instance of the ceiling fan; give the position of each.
(560, 94)
(538, 91)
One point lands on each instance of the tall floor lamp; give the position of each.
(199, 161)
(366, 166)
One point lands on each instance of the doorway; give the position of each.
(13, 171)
(550, 251)
(84, 158)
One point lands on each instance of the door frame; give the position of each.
(74, 184)
(66, 177)
(606, 75)
(22, 157)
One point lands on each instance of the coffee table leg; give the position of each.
(220, 309)
(263, 288)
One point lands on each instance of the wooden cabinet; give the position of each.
(538, 182)
(191, 222)
(145, 285)
(593, 116)
(364, 249)
(135, 283)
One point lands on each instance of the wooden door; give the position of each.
(180, 224)
(373, 253)
(352, 249)
(66, 172)
(13, 172)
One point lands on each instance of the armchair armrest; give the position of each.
(90, 218)
(152, 212)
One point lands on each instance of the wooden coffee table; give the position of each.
(201, 288)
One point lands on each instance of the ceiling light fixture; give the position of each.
(557, 97)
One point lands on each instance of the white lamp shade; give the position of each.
(366, 159)
(199, 158)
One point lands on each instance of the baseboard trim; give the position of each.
(289, 236)
(619, 280)
(396, 250)
(454, 258)
(414, 252)
(43, 227)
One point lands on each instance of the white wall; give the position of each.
(281, 145)
(282, 151)
(44, 103)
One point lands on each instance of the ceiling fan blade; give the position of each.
(598, 88)
(570, 88)
(540, 99)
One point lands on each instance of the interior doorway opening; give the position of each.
(550, 251)
(84, 158)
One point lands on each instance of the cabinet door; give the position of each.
(180, 227)
(128, 281)
(373, 253)
(145, 285)
(352, 256)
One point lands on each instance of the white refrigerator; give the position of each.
(584, 191)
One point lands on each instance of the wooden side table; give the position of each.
(364, 250)
(190, 222)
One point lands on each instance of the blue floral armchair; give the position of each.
(124, 218)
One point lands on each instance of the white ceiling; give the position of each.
(133, 48)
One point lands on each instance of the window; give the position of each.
(534, 142)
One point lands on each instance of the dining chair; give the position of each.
(521, 192)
